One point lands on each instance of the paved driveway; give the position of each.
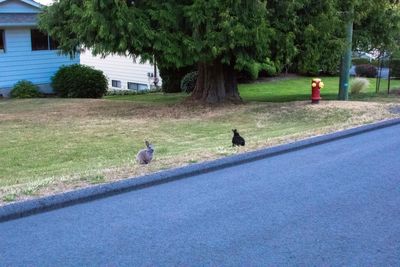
(336, 204)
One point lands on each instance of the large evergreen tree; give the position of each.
(220, 36)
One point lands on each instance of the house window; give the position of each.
(53, 44)
(115, 83)
(137, 86)
(41, 41)
(2, 42)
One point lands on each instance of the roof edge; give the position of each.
(28, 2)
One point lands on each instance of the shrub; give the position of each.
(358, 85)
(364, 61)
(188, 82)
(171, 77)
(251, 71)
(267, 69)
(366, 70)
(79, 81)
(25, 89)
(121, 92)
(360, 61)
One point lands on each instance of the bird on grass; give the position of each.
(237, 140)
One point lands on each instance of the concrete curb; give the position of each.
(26, 208)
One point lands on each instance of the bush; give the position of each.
(25, 89)
(267, 69)
(360, 61)
(254, 70)
(364, 61)
(358, 85)
(121, 92)
(366, 70)
(171, 77)
(188, 82)
(79, 81)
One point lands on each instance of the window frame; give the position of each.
(116, 83)
(136, 86)
(48, 42)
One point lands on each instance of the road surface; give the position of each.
(335, 204)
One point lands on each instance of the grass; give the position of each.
(53, 145)
(299, 88)
(275, 90)
(156, 98)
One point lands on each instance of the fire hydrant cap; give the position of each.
(313, 84)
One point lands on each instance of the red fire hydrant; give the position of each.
(316, 86)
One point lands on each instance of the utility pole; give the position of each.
(346, 58)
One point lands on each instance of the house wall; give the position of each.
(19, 62)
(120, 68)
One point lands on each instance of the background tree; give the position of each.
(309, 35)
(285, 23)
(219, 36)
(377, 26)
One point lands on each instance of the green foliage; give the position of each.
(358, 85)
(188, 82)
(360, 61)
(322, 42)
(366, 70)
(176, 33)
(376, 25)
(306, 36)
(267, 68)
(25, 89)
(395, 68)
(284, 21)
(309, 34)
(172, 77)
(79, 81)
(253, 70)
(130, 92)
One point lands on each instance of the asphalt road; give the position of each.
(336, 204)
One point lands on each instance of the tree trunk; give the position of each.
(231, 85)
(216, 83)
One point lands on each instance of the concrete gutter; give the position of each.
(30, 207)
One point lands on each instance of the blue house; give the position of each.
(25, 52)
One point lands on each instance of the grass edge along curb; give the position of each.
(30, 207)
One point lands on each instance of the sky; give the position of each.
(44, 2)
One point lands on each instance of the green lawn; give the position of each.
(51, 145)
(282, 90)
(299, 88)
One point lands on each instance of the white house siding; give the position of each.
(121, 68)
(19, 62)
